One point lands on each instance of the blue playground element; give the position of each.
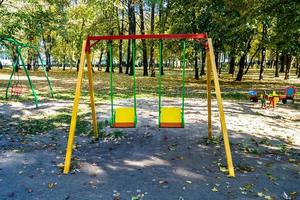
(253, 95)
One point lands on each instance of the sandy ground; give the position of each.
(158, 164)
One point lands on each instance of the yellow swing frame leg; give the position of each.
(211, 67)
(84, 56)
(208, 78)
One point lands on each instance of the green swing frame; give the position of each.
(19, 46)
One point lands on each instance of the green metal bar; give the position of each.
(159, 80)
(134, 80)
(45, 72)
(19, 46)
(10, 78)
(183, 80)
(27, 74)
(112, 121)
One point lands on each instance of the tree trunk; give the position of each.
(160, 10)
(107, 60)
(232, 64)
(1, 66)
(220, 65)
(151, 64)
(217, 57)
(241, 67)
(128, 57)
(121, 32)
(288, 66)
(132, 29)
(64, 63)
(144, 45)
(282, 62)
(277, 64)
(196, 65)
(242, 61)
(100, 59)
(262, 63)
(48, 60)
(203, 56)
(251, 61)
(263, 52)
(29, 60)
(77, 65)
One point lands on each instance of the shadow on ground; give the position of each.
(157, 163)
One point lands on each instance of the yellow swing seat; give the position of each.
(124, 117)
(170, 117)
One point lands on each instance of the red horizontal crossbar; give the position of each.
(158, 36)
(154, 36)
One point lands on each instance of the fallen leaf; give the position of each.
(51, 185)
(260, 194)
(60, 165)
(214, 189)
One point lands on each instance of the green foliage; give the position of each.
(60, 26)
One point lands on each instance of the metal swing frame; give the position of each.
(19, 46)
(212, 74)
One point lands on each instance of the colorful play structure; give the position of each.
(289, 93)
(14, 82)
(169, 117)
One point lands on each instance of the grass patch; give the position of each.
(43, 126)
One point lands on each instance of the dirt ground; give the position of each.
(147, 162)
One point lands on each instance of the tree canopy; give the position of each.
(241, 30)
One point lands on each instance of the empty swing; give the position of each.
(123, 117)
(16, 88)
(171, 117)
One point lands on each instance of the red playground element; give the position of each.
(196, 37)
(16, 90)
(289, 94)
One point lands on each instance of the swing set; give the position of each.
(168, 117)
(16, 86)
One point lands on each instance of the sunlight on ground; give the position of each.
(91, 169)
(13, 157)
(152, 161)
(188, 174)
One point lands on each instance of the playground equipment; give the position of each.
(274, 99)
(253, 95)
(124, 117)
(289, 93)
(171, 117)
(17, 88)
(167, 115)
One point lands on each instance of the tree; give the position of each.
(263, 52)
(151, 63)
(144, 45)
(121, 32)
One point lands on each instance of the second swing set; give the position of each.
(168, 117)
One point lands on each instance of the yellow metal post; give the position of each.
(220, 106)
(75, 110)
(208, 77)
(91, 91)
